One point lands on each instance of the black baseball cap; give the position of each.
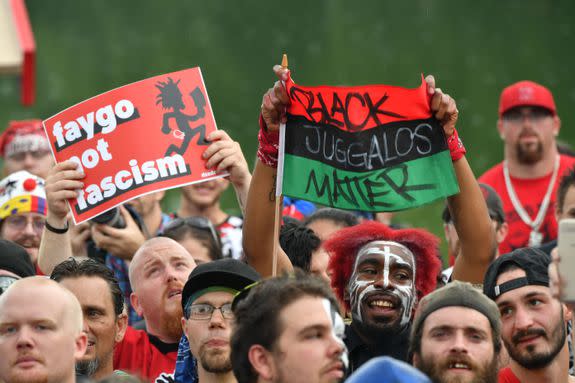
(227, 273)
(533, 261)
(15, 259)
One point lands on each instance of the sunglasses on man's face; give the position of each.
(534, 114)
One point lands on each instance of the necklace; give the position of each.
(535, 237)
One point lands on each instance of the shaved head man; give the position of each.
(41, 333)
(158, 273)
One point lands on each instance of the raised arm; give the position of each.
(223, 153)
(62, 183)
(258, 239)
(468, 207)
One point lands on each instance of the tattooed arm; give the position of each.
(258, 229)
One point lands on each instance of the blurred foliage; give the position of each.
(473, 48)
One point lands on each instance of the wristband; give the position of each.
(268, 145)
(455, 145)
(55, 229)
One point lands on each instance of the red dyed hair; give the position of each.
(345, 243)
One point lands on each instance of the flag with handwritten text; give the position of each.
(370, 148)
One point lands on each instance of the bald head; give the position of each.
(153, 248)
(158, 272)
(41, 333)
(43, 289)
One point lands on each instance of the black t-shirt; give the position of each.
(397, 346)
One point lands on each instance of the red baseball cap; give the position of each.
(23, 136)
(526, 93)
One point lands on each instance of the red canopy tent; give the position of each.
(17, 47)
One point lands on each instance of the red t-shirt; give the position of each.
(145, 355)
(530, 193)
(507, 376)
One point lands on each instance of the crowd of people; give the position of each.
(198, 295)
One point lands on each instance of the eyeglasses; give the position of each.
(534, 114)
(201, 223)
(36, 154)
(204, 311)
(5, 282)
(19, 222)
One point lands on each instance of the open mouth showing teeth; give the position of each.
(382, 303)
(459, 366)
(174, 293)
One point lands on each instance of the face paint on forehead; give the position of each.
(337, 328)
(360, 289)
(384, 248)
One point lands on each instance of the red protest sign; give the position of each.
(137, 139)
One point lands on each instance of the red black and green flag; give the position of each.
(370, 148)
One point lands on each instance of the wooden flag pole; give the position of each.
(278, 206)
(276, 236)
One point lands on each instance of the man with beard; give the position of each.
(158, 273)
(534, 323)
(527, 178)
(41, 333)
(288, 329)
(207, 305)
(378, 273)
(102, 303)
(23, 211)
(456, 334)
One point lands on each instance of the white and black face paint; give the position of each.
(383, 266)
(337, 329)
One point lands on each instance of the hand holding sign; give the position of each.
(371, 148)
(123, 140)
(443, 106)
(276, 100)
(225, 154)
(62, 184)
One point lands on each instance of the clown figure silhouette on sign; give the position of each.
(171, 98)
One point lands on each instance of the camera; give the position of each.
(112, 217)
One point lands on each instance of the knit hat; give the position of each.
(15, 259)
(22, 192)
(531, 260)
(459, 294)
(526, 93)
(23, 136)
(387, 369)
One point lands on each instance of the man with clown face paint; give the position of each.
(379, 282)
(383, 279)
(378, 273)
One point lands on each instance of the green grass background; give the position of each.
(473, 48)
